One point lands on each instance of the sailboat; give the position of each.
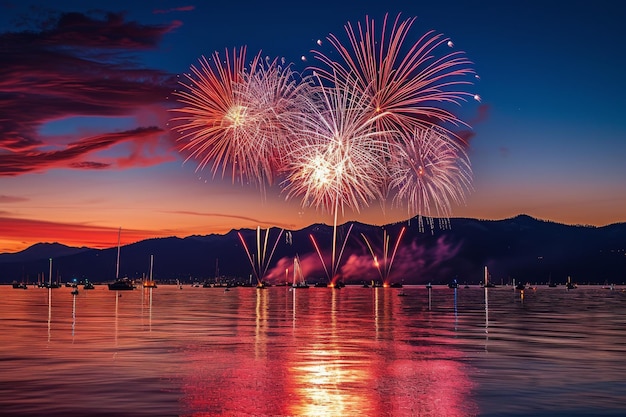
(51, 284)
(487, 283)
(298, 277)
(123, 284)
(150, 283)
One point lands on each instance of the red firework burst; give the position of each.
(410, 83)
(234, 115)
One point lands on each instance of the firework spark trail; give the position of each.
(387, 262)
(332, 274)
(408, 87)
(234, 115)
(260, 267)
(319, 253)
(430, 173)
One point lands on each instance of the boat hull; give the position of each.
(124, 285)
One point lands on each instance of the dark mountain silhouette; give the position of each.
(520, 248)
(41, 250)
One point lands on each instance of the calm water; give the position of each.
(312, 352)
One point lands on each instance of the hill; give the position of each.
(520, 248)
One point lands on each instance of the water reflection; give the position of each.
(49, 314)
(73, 314)
(146, 305)
(337, 354)
(316, 352)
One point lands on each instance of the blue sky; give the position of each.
(548, 138)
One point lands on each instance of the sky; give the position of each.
(86, 146)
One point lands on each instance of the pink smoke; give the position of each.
(414, 263)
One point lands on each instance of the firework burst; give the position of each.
(376, 123)
(233, 115)
(337, 157)
(406, 82)
(429, 173)
(337, 160)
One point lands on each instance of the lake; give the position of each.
(313, 352)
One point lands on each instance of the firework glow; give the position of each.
(338, 157)
(234, 115)
(384, 270)
(261, 262)
(374, 120)
(332, 274)
(429, 173)
(409, 83)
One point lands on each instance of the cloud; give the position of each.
(310, 265)
(89, 165)
(7, 199)
(231, 216)
(175, 9)
(76, 65)
(412, 259)
(482, 115)
(17, 163)
(29, 230)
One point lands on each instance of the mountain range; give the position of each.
(521, 248)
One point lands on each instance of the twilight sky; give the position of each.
(85, 147)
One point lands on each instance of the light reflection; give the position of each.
(260, 340)
(73, 315)
(117, 297)
(486, 317)
(323, 367)
(147, 290)
(320, 387)
(376, 315)
(323, 352)
(49, 313)
(456, 313)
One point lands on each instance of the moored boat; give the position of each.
(123, 284)
(150, 283)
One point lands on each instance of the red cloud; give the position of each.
(32, 161)
(175, 9)
(11, 199)
(252, 220)
(70, 234)
(78, 66)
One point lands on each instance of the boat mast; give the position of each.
(117, 264)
